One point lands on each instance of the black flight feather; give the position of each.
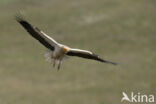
(33, 31)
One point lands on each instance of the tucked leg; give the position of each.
(59, 64)
(54, 62)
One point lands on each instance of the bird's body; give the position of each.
(57, 52)
(56, 56)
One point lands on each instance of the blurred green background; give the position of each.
(123, 31)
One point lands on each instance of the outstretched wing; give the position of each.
(88, 55)
(37, 33)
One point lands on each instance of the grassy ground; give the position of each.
(119, 30)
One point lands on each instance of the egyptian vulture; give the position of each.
(57, 52)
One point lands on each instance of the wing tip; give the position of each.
(21, 20)
(109, 62)
(105, 61)
(19, 17)
(113, 63)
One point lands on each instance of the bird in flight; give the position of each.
(57, 52)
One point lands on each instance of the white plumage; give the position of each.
(57, 52)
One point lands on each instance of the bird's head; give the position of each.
(66, 49)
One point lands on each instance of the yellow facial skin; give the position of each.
(65, 49)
